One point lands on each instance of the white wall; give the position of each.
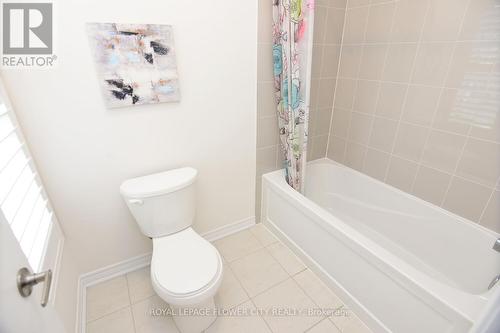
(84, 151)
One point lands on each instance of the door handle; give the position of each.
(26, 280)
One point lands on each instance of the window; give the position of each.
(23, 201)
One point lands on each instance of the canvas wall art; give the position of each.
(136, 63)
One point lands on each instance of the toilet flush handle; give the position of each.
(137, 202)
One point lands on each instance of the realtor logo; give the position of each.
(27, 34)
(27, 28)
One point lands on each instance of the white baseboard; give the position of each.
(121, 268)
(229, 229)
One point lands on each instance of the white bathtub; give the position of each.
(402, 264)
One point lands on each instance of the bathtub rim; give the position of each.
(463, 303)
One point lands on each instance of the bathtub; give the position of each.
(401, 264)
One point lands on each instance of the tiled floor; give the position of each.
(260, 273)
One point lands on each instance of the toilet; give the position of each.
(186, 269)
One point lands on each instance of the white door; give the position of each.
(30, 235)
(21, 314)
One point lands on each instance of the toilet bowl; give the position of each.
(186, 269)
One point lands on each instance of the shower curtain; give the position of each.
(292, 49)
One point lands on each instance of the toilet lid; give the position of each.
(184, 262)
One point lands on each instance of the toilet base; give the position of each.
(194, 318)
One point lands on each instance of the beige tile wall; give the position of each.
(329, 17)
(418, 100)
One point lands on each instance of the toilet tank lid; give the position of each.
(158, 183)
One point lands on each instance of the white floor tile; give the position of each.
(237, 245)
(286, 258)
(145, 322)
(139, 284)
(350, 323)
(230, 293)
(118, 322)
(264, 236)
(287, 295)
(107, 297)
(324, 326)
(244, 322)
(258, 271)
(319, 292)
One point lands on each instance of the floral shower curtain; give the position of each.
(292, 48)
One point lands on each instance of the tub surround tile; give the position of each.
(466, 199)
(139, 284)
(336, 149)
(431, 185)
(443, 19)
(266, 160)
(334, 26)
(237, 245)
(331, 54)
(359, 130)
(421, 103)
(107, 297)
(400, 58)
(410, 141)
(372, 62)
(266, 105)
(350, 61)
(383, 134)
(258, 272)
(401, 173)
(472, 165)
(355, 155)
(340, 122)
(376, 163)
(117, 322)
(432, 63)
(379, 23)
(287, 295)
(443, 150)
(366, 96)
(346, 89)
(354, 28)
(491, 215)
(267, 133)
(390, 100)
(425, 70)
(408, 20)
(450, 115)
(469, 64)
(477, 12)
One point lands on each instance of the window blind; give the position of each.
(22, 199)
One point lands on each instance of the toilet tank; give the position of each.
(162, 203)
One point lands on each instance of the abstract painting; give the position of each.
(136, 63)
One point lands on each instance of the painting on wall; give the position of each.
(135, 62)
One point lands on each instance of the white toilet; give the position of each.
(186, 270)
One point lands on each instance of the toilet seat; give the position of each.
(185, 268)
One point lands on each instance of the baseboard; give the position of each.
(106, 273)
(229, 229)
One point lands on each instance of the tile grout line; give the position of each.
(405, 98)
(434, 115)
(379, 87)
(130, 302)
(336, 81)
